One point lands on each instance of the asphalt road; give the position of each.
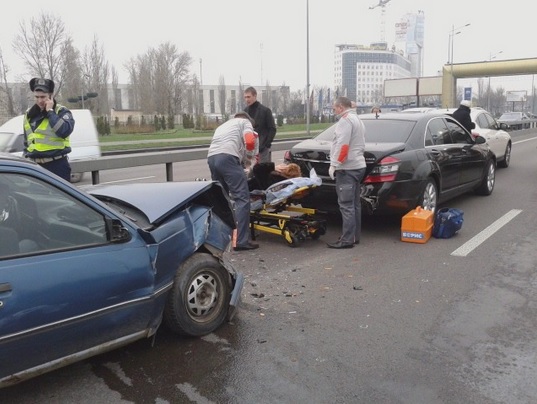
(449, 321)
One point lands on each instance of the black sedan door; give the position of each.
(444, 152)
(472, 158)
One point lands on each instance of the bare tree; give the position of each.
(497, 101)
(482, 91)
(72, 71)
(196, 99)
(222, 95)
(132, 67)
(42, 45)
(159, 79)
(95, 76)
(117, 104)
(296, 106)
(267, 98)
(6, 97)
(144, 87)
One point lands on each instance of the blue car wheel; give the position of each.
(199, 300)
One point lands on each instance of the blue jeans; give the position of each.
(348, 189)
(227, 170)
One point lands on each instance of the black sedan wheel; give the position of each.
(507, 157)
(487, 184)
(429, 197)
(199, 300)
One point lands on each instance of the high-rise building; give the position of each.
(409, 34)
(360, 71)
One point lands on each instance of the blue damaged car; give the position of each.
(84, 271)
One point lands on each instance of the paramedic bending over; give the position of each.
(234, 145)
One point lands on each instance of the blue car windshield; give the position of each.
(378, 131)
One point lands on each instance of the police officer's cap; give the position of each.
(45, 85)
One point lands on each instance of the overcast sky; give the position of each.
(258, 42)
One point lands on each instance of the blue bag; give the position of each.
(447, 222)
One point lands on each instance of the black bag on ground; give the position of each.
(447, 222)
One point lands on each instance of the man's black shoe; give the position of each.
(249, 246)
(339, 244)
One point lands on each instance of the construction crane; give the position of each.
(382, 5)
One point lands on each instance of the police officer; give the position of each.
(47, 127)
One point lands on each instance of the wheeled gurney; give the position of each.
(276, 210)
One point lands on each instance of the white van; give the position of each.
(84, 139)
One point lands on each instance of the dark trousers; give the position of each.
(228, 170)
(348, 189)
(60, 167)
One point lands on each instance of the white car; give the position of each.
(498, 139)
(84, 139)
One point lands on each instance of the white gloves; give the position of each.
(332, 172)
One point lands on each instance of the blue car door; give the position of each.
(65, 288)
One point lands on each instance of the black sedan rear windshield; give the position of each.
(379, 131)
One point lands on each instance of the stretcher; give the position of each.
(276, 210)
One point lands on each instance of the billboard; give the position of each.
(413, 86)
(430, 85)
(515, 96)
(401, 29)
(400, 87)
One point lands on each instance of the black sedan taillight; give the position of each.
(384, 171)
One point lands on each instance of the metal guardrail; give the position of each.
(95, 166)
(168, 157)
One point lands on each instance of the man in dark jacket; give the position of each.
(462, 115)
(263, 124)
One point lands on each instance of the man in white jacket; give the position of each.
(234, 148)
(347, 167)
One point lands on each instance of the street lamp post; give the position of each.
(308, 67)
(488, 91)
(450, 58)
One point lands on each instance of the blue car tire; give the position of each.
(199, 300)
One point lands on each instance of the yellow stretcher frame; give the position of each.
(279, 220)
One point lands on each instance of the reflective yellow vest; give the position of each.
(44, 138)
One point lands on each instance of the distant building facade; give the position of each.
(209, 100)
(360, 71)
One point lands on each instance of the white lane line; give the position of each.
(479, 238)
(525, 140)
(128, 180)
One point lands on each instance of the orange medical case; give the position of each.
(417, 226)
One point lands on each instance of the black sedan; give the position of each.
(412, 159)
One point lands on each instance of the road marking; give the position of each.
(479, 238)
(525, 140)
(128, 180)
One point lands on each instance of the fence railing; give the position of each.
(167, 158)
